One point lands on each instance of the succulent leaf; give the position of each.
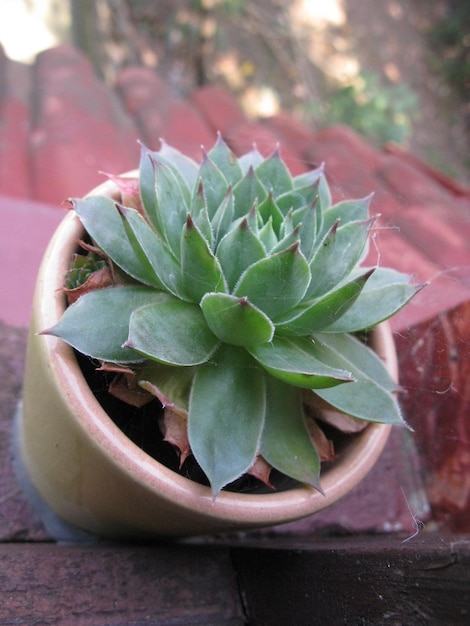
(172, 206)
(86, 324)
(298, 362)
(274, 175)
(147, 187)
(276, 283)
(297, 198)
(226, 161)
(337, 256)
(104, 224)
(200, 215)
(385, 293)
(223, 218)
(346, 351)
(235, 320)
(286, 443)
(316, 315)
(163, 270)
(307, 218)
(310, 178)
(226, 415)
(367, 401)
(268, 209)
(237, 251)
(214, 184)
(186, 168)
(324, 193)
(172, 332)
(170, 384)
(250, 160)
(247, 192)
(347, 211)
(201, 270)
(370, 398)
(267, 236)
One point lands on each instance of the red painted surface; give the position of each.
(220, 109)
(79, 129)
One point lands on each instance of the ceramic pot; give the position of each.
(91, 475)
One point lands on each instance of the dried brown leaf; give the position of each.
(174, 429)
(124, 387)
(261, 470)
(97, 280)
(130, 191)
(324, 446)
(321, 410)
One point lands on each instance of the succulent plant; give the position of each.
(230, 290)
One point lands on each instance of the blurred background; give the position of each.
(394, 70)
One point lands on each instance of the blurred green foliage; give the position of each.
(451, 37)
(381, 112)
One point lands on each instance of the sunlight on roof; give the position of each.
(320, 25)
(29, 26)
(315, 13)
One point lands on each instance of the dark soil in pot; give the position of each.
(141, 425)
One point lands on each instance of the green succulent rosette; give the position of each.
(240, 286)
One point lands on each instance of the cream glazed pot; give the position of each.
(91, 475)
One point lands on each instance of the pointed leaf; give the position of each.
(153, 254)
(286, 443)
(309, 178)
(385, 293)
(226, 161)
(239, 249)
(235, 320)
(215, 185)
(97, 325)
(267, 235)
(277, 283)
(173, 332)
(337, 256)
(226, 415)
(268, 210)
(306, 217)
(185, 166)
(170, 384)
(293, 237)
(274, 175)
(200, 269)
(346, 351)
(250, 160)
(321, 313)
(324, 193)
(297, 198)
(223, 218)
(364, 400)
(200, 215)
(246, 192)
(347, 211)
(127, 216)
(172, 206)
(297, 362)
(102, 221)
(147, 188)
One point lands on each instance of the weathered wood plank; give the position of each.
(367, 581)
(164, 585)
(435, 367)
(18, 522)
